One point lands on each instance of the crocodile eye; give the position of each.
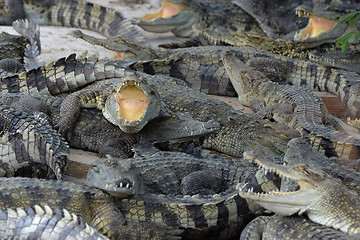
(95, 168)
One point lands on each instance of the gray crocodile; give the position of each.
(93, 132)
(202, 69)
(70, 13)
(178, 98)
(94, 206)
(297, 107)
(26, 140)
(350, 60)
(324, 199)
(45, 222)
(323, 25)
(181, 179)
(290, 228)
(20, 52)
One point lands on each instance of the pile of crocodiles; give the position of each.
(175, 162)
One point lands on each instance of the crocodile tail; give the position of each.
(25, 140)
(81, 14)
(61, 76)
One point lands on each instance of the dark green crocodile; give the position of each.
(93, 132)
(69, 13)
(290, 228)
(295, 106)
(179, 179)
(324, 199)
(94, 206)
(27, 140)
(45, 222)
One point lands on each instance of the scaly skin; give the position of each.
(350, 60)
(93, 132)
(229, 139)
(95, 207)
(45, 222)
(202, 69)
(68, 13)
(297, 107)
(276, 18)
(18, 56)
(324, 199)
(161, 173)
(290, 228)
(26, 140)
(207, 183)
(300, 152)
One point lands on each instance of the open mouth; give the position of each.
(120, 188)
(297, 187)
(132, 101)
(167, 10)
(316, 25)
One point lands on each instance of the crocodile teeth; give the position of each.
(127, 185)
(121, 185)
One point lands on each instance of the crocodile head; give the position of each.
(349, 61)
(322, 27)
(132, 104)
(174, 16)
(115, 176)
(324, 199)
(178, 127)
(242, 76)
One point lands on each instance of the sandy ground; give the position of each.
(56, 43)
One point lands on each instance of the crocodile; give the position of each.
(297, 107)
(202, 69)
(180, 98)
(324, 199)
(179, 177)
(350, 60)
(276, 18)
(95, 207)
(130, 104)
(323, 25)
(45, 222)
(27, 140)
(169, 90)
(20, 52)
(290, 228)
(173, 16)
(94, 133)
(299, 151)
(163, 173)
(70, 13)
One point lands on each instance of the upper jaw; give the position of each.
(322, 27)
(284, 203)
